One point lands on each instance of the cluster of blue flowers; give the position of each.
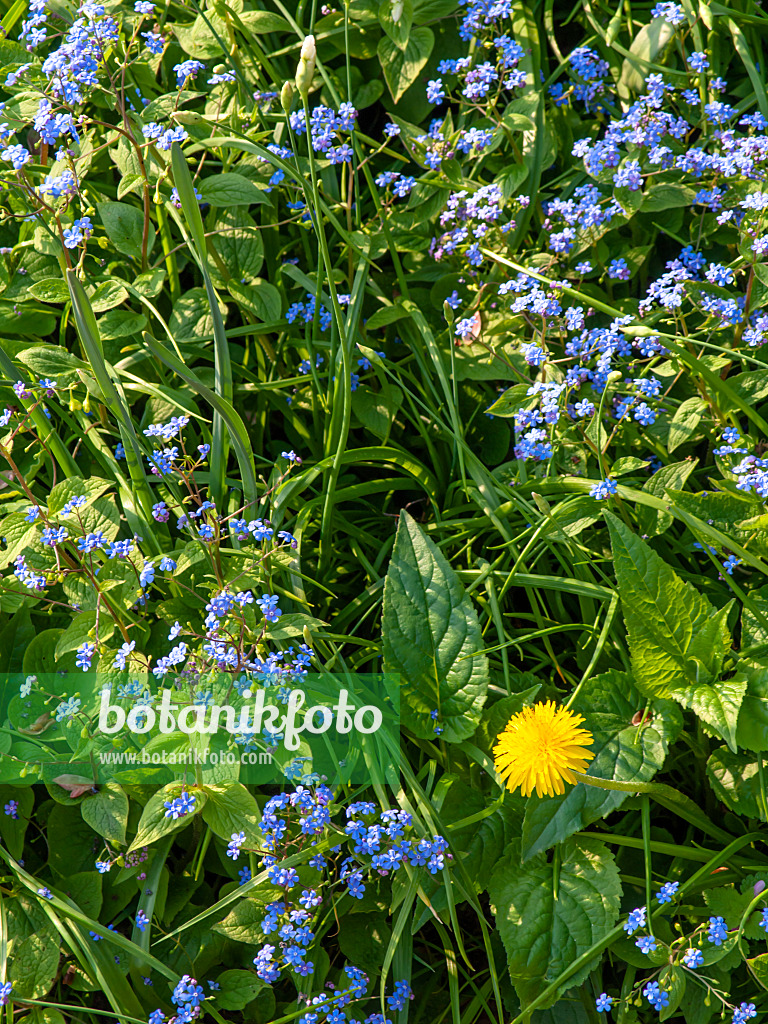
(715, 932)
(326, 129)
(377, 847)
(188, 998)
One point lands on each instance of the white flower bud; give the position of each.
(305, 69)
(286, 96)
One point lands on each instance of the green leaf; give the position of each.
(672, 981)
(33, 949)
(198, 40)
(261, 22)
(84, 888)
(496, 716)
(622, 752)
(363, 939)
(65, 490)
(107, 812)
(396, 18)
(52, 361)
(684, 424)
(230, 808)
(80, 630)
(727, 902)
(50, 289)
(230, 190)
(237, 989)
(432, 638)
(543, 935)
(40, 655)
(153, 824)
(260, 298)
(13, 830)
(129, 183)
(759, 966)
(677, 640)
(735, 780)
(238, 241)
(667, 197)
(191, 316)
(402, 67)
(649, 44)
(752, 728)
(652, 521)
(508, 403)
(124, 225)
(385, 315)
(752, 385)
(627, 464)
(106, 296)
(243, 922)
(376, 410)
(121, 323)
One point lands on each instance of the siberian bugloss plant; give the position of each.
(397, 339)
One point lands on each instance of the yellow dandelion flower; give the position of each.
(541, 746)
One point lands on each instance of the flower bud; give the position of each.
(188, 117)
(305, 69)
(286, 97)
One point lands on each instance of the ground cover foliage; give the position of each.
(443, 360)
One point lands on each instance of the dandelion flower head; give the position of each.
(541, 747)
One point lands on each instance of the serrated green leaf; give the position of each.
(543, 935)
(677, 640)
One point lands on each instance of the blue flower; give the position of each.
(635, 920)
(68, 708)
(435, 91)
(693, 958)
(187, 69)
(656, 996)
(604, 489)
(603, 1003)
(619, 269)
(718, 932)
(646, 943)
(743, 1013)
(122, 655)
(667, 891)
(730, 564)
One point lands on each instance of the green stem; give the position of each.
(646, 824)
